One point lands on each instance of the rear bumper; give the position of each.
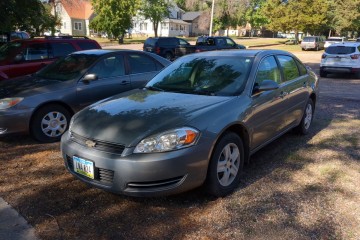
(331, 69)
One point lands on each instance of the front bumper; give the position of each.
(155, 174)
(14, 121)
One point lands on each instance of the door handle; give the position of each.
(125, 82)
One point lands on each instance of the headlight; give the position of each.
(168, 141)
(9, 102)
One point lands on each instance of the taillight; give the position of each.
(323, 56)
(355, 56)
(157, 50)
(197, 50)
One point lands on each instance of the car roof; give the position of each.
(243, 53)
(46, 39)
(100, 52)
(347, 44)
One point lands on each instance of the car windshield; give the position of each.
(225, 76)
(309, 39)
(8, 48)
(340, 50)
(68, 68)
(334, 40)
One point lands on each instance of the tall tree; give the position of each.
(156, 11)
(346, 15)
(24, 15)
(114, 16)
(254, 15)
(295, 15)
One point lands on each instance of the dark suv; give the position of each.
(26, 56)
(164, 46)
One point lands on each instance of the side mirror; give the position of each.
(90, 77)
(266, 85)
(19, 58)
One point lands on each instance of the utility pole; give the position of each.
(211, 17)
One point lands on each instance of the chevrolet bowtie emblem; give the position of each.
(90, 143)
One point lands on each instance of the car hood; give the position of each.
(24, 86)
(140, 113)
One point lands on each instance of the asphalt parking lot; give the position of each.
(295, 188)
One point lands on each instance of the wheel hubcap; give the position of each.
(308, 116)
(54, 124)
(228, 164)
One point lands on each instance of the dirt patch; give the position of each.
(295, 188)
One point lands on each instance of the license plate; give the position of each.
(83, 167)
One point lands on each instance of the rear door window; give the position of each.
(37, 51)
(289, 67)
(140, 63)
(340, 50)
(61, 49)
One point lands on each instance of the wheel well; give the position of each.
(313, 98)
(244, 135)
(67, 107)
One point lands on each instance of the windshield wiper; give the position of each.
(155, 88)
(204, 92)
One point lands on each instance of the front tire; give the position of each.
(225, 165)
(49, 123)
(304, 126)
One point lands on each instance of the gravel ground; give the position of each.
(295, 188)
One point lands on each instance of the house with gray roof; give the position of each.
(193, 19)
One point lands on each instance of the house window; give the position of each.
(77, 26)
(177, 27)
(141, 26)
(64, 25)
(145, 26)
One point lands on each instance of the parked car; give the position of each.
(341, 58)
(206, 43)
(312, 42)
(9, 36)
(26, 56)
(44, 102)
(332, 40)
(194, 123)
(164, 46)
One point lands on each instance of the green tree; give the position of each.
(295, 15)
(28, 15)
(114, 16)
(254, 15)
(345, 15)
(156, 11)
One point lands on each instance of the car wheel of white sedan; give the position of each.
(225, 165)
(49, 123)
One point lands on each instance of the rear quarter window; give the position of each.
(150, 42)
(85, 45)
(340, 50)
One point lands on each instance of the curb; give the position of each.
(12, 225)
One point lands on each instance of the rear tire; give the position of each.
(323, 73)
(304, 126)
(225, 165)
(49, 123)
(169, 56)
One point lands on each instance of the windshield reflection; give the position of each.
(67, 68)
(223, 76)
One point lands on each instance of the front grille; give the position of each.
(101, 175)
(98, 145)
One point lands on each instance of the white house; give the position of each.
(75, 17)
(169, 27)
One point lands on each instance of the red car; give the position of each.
(27, 56)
